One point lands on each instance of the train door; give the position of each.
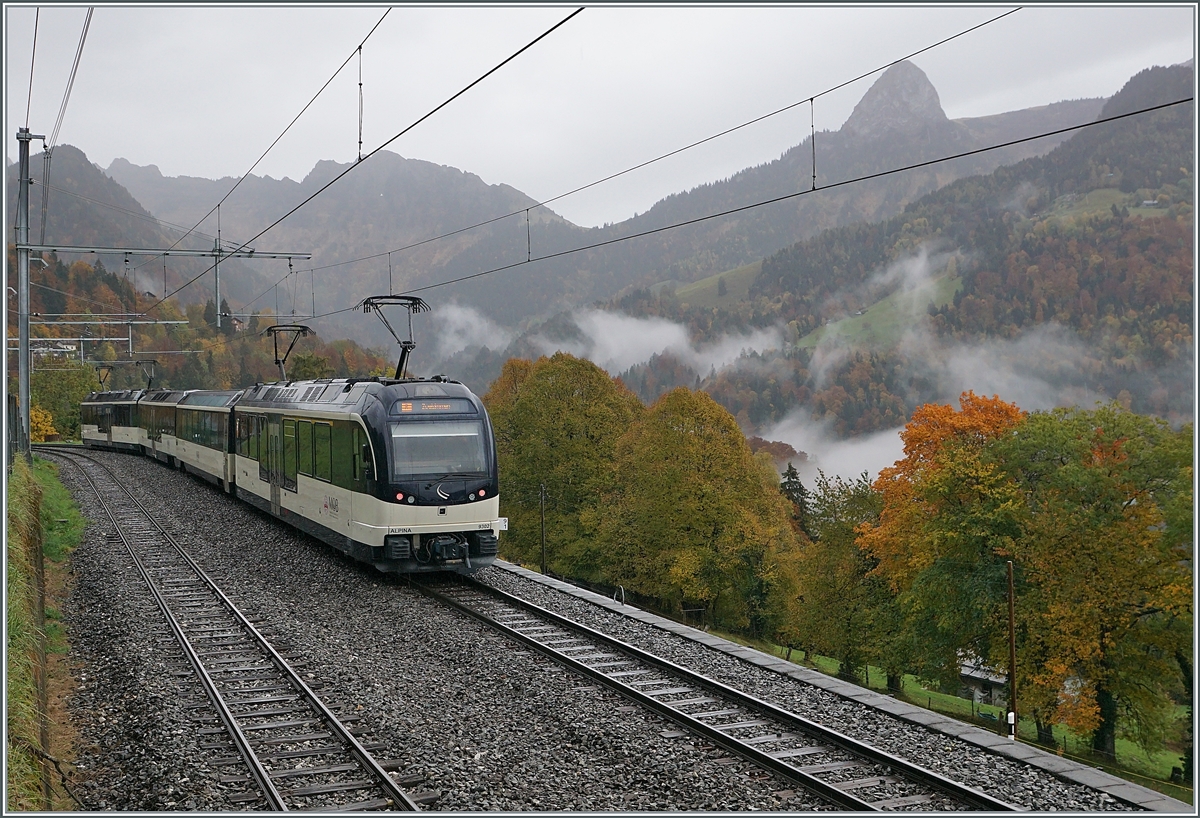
(275, 458)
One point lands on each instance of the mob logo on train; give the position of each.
(331, 506)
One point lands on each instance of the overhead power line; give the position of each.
(328, 184)
(640, 165)
(32, 61)
(295, 119)
(62, 113)
(845, 182)
(764, 203)
(62, 109)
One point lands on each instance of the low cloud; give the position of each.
(616, 342)
(846, 458)
(460, 328)
(1045, 367)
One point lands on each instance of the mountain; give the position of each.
(86, 207)
(1062, 278)
(398, 202)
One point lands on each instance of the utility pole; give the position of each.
(24, 137)
(217, 276)
(542, 497)
(1012, 658)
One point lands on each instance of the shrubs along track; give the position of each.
(43, 521)
(26, 651)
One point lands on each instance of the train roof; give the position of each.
(114, 396)
(165, 396)
(342, 394)
(206, 398)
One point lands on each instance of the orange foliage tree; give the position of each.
(932, 427)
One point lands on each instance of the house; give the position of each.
(982, 684)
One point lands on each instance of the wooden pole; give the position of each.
(1012, 658)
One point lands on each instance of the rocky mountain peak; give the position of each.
(902, 100)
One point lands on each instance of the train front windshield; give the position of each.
(442, 447)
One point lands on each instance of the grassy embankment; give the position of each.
(1150, 769)
(41, 515)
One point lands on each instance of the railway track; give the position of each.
(296, 752)
(847, 773)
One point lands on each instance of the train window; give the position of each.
(289, 449)
(448, 446)
(304, 442)
(323, 451)
(252, 437)
(362, 455)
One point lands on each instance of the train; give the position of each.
(399, 473)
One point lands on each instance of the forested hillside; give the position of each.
(86, 208)
(394, 202)
(194, 354)
(1088, 249)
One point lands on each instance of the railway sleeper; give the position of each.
(359, 806)
(300, 772)
(861, 783)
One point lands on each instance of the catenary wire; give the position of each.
(639, 166)
(62, 109)
(32, 61)
(806, 192)
(785, 197)
(276, 142)
(49, 146)
(328, 184)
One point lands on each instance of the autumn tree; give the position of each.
(693, 519)
(893, 541)
(1107, 565)
(942, 537)
(557, 421)
(41, 425)
(843, 608)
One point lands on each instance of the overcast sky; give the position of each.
(204, 91)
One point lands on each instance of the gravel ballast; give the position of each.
(483, 723)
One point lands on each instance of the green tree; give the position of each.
(800, 498)
(692, 518)
(557, 421)
(1107, 562)
(60, 391)
(844, 609)
(308, 366)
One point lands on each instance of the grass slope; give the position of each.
(705, 292)
(884, 323)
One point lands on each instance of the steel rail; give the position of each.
(939, 783)
(261, 777)
(399, 798)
